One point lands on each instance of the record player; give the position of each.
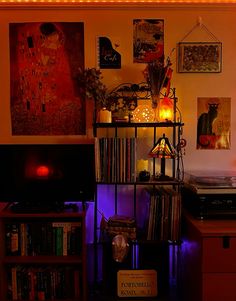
(210, 194)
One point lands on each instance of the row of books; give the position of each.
(43, 283)
(163, 222)
(115, 159)
(44, 238)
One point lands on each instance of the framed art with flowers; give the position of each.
(199, 57)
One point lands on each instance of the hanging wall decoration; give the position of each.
(108, 56)
(202, 56)
(148, 40)
(213, 122)
(44, 60)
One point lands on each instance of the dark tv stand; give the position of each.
(41, 207)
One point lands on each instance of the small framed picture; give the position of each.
(200, 57)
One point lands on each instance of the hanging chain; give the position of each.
(203, 27)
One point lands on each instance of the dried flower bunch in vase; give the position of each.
(158, 76)
(90, 82)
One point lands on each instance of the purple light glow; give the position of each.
(124, 204)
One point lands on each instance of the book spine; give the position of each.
(75, 239)
(59, 241)
(70, 231)
(77, 284)
(8, 230)
(14, 283)
(66, 230)
(15, 244)
(32, 283)
(40, 285)
(97, 159)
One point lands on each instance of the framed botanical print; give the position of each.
(203, 57)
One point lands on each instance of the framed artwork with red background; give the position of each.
(45, 97)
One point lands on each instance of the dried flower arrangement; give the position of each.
(158, 76)
(90, 81)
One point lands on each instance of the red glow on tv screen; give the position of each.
(47, 172)
(42, 171)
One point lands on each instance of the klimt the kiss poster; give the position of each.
(44, 61)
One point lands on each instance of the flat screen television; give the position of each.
(46, 176)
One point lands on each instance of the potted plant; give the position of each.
(90, 82)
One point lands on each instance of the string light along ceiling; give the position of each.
(11, 3)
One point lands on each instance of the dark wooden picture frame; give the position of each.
(199, 57)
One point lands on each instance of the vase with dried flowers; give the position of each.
(90, 82)
(158, 76)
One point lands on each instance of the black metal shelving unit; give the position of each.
(175, 179)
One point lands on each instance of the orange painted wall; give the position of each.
(116, 23)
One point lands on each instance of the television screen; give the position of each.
(43, 174)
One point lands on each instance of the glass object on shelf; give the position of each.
(120, 247)
(166, 110)
(143, 113)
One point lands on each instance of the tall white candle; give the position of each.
(104, 116)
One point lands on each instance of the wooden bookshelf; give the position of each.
(43, 256)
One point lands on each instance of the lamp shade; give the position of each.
(143, 113)
(166, 110)
(162, 149)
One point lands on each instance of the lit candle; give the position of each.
(104, 116)
(142, 165)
